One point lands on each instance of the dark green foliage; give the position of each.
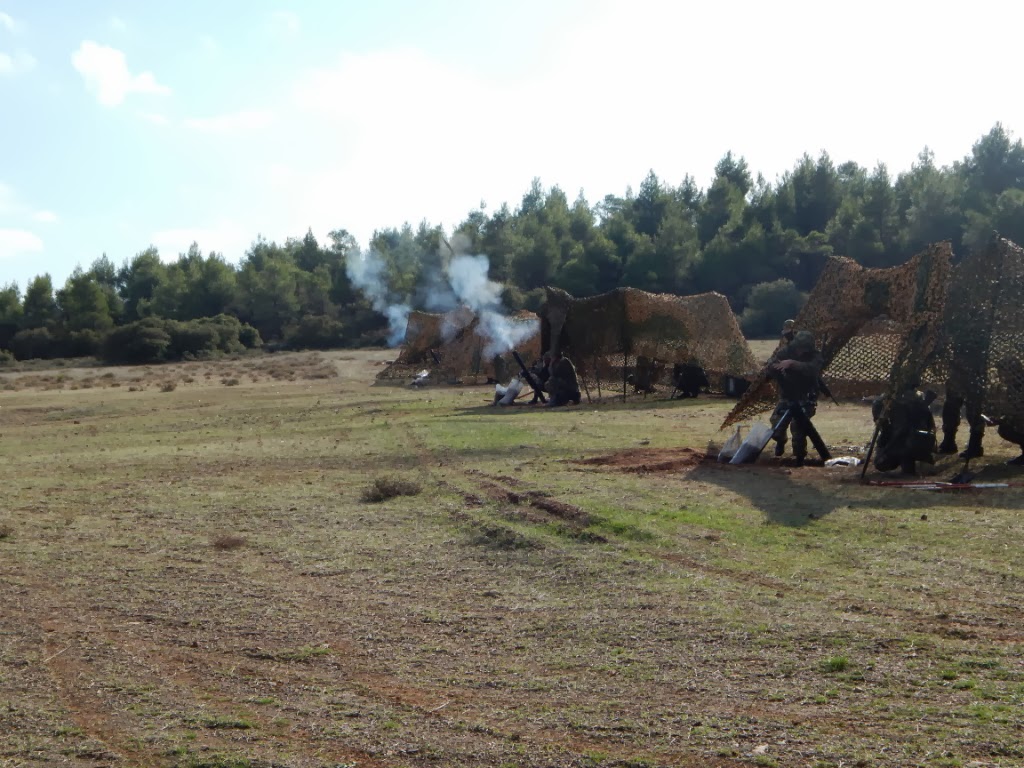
(143, 341)
(769, 306)
(34, 343)
(734, 237)
(315, 332)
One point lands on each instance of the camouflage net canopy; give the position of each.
(876, 328)
(461, 347)
(631, 332)
(980, 354)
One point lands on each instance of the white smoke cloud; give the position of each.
(462, 282)
(467, 276)
(368, 273)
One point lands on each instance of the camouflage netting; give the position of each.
(873, 327)
(980, 354)
(631, 332)
(457, 348)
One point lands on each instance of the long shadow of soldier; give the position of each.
(799, 497)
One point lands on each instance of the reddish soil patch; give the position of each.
(649, 460)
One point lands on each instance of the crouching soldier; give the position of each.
(689, 379)
(563, 383)
(906, 433)
(1011, 418)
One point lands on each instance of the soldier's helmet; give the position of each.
(789, 325)
(803, 342)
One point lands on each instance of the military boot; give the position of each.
(974, 449)
(948, 444)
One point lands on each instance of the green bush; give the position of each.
(769, 305)
(194, 338)
(84, 343)
(6, 358)
(34, 343)
(315, 332)
(249, 337)
(144, 341)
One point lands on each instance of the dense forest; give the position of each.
(762, 244)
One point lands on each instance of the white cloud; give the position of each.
(18, 242)
(285, 23)
(6, 22)
(106, 74)
(231, 123)
(11, 206)
(154, 117)
(226, 237)
(16, 63)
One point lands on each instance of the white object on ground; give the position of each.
(507, 395)
(843, 461)
(751, 448)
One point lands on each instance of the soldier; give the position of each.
(796, 369)
(541, 372)
(788, 331)
(906, 433)
(1011, 421)
(563, 383)
(951, 408)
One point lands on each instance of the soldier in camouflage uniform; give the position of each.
(906, 434)
(563, 383)
(796, 369)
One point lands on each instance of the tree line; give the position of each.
(762, 244)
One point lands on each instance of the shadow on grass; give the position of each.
(783, 499)
(800, 496)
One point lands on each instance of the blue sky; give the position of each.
(126, 124)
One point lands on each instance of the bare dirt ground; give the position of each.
(189, 576)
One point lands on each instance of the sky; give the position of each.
(126, 124)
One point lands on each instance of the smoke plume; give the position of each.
(462, 282)
(367, 272)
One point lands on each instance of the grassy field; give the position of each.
(206, 565)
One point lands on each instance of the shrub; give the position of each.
(228, 542)
(769, 305)
(249, 337)
(6, 358)
(315, 332)
(144, 341)
(195, 337)
(34, 343)
(384, 488)
(84, 343)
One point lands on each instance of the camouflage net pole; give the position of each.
(874, 327)
(627, 330)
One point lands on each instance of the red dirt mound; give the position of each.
(649, 460)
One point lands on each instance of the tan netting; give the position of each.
(980, 355)
(631, 334)
(458, 348)
(876, 328)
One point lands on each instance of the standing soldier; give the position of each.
(796, 369)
